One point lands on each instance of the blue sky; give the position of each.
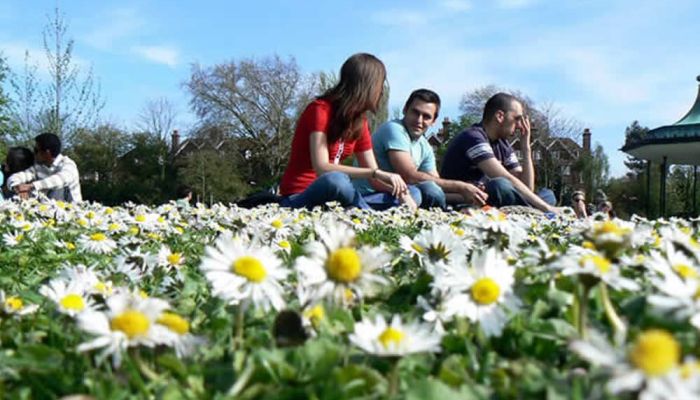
(604, 63)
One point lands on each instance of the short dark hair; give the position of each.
(425, 95)
(49, 141)
(182, 191)
(19, 159)
(498, 102)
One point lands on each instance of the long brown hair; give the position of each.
(354, 95)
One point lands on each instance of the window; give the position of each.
(555, 155)
(566, 170)
(536, 155)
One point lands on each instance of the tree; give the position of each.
(97, 152)
(71, 100)
(212, 176)
(635, 133)
(145, 176)
(256, 99)
(594, 168)
(7, 125)
(157, 117)
(25, 105)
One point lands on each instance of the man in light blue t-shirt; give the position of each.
(400, 147)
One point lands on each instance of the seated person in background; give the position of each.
(184, 196)
(482, 155)
(53, 174)
(17, 160)
(401, 147)
(578, 203)
(330, 129)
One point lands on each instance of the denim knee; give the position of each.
(433, 195)
(415, 194)
(548, 196)
(338, 187)
(502, 193)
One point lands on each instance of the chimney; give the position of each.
(587, 141)
(445, 127)
(175, 142)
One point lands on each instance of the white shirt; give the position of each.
(59, 181)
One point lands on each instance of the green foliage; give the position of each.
(213, 176)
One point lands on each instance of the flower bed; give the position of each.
(277, 303)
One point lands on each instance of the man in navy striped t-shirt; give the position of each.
(483, 156)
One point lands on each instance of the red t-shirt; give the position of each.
(316, 118)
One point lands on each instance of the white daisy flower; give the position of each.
(395, 339)
(180, 339)
(97, 243)
(241, 271)
(13, 305)
(335, 268)
(436, 248)
(170, 259)
(673, 261)
(13, 239)
(70, 298)
(580, 261)
(129, 320)
(651, 366)
(482, 293)
(678, 297)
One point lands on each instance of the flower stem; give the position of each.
(581, 310)
(614, 319)
(240, 320)
(394, 379)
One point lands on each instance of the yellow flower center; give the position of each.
(73, 302)
(19, 237)
(689, 369)
(601, 263)
(109, 210)
(140, 218)
(90, 215)
(100, 287)
(133, 323)
(250, 268)
(655, 352)
(315, 314)
(114, 226)
(277, 224)
(174, 322)
(43, 208)
(391, 335)
(284, 244)
(27, 227)
(609, 227)
(14, 303)
(485, 291)
(134, 230)
(417, 248)
(179, 230)
(98, 237)
(161, 219)
(356, 221)
(175, 258)
(685, 271)
(82, 222)
(459, 231)
(344, 265)
(588, 245)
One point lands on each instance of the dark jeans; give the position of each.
(337, 186)
(502, 193)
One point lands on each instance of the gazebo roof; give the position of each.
(679, 143)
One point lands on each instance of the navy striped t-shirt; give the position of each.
(471, 147)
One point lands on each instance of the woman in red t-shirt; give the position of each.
(330, 129)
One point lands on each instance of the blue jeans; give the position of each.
(432, 195)
(331, 186)
(381, 201)
(502, 193)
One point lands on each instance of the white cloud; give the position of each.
(401, 18)
(159, 54)
(116, 25)
(457, 5)
(515, 4)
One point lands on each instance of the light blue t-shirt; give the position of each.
(392, 135)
